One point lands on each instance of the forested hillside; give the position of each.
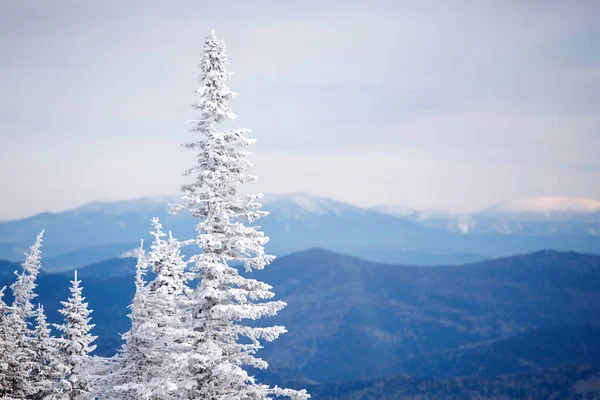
(354, 320)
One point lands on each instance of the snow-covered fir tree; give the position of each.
(48, 368)
(110, 375)
(222, 344)
(118, 377)
(75, 344)
(20, 358)
(5, 343)
(167, 263)
(166, 328)
(153, 345)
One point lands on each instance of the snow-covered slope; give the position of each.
(400, 211)
(530, 216)
(140, 205)
(296, 205)
(549, 205)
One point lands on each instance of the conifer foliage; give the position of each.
(76, 341)
(145, 366)
(19, 359)
(228, 241)
(48, 368)
(6, 348)
(183, 343)
(123, 375)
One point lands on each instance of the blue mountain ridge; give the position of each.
(99, 231)
(355, 320)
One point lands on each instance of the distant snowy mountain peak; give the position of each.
(549, 205)
(531, 216)
(306, 203)
(423, 215)
(293, 202)
(400, 211)
(465, 223)
(125, 206)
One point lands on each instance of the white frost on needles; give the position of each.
(148, 366)
(75, 343)
(19, 359)
(183, 343)
(223, 299)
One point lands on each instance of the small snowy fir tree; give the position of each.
(153, 346)
(167, 263)
(166, 329)
(48, 368)
(118, 376)
(75, 344)
(223, 299)
(20, 359)
(156, 340)
(110, 375)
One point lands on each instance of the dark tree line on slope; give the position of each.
(183, 343)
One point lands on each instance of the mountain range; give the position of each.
(531, 216)
(363, 330)
(100, 231)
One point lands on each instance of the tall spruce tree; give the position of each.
(20, 359)
(75, 344)
(222, 344)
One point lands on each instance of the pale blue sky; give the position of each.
(454, 105)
